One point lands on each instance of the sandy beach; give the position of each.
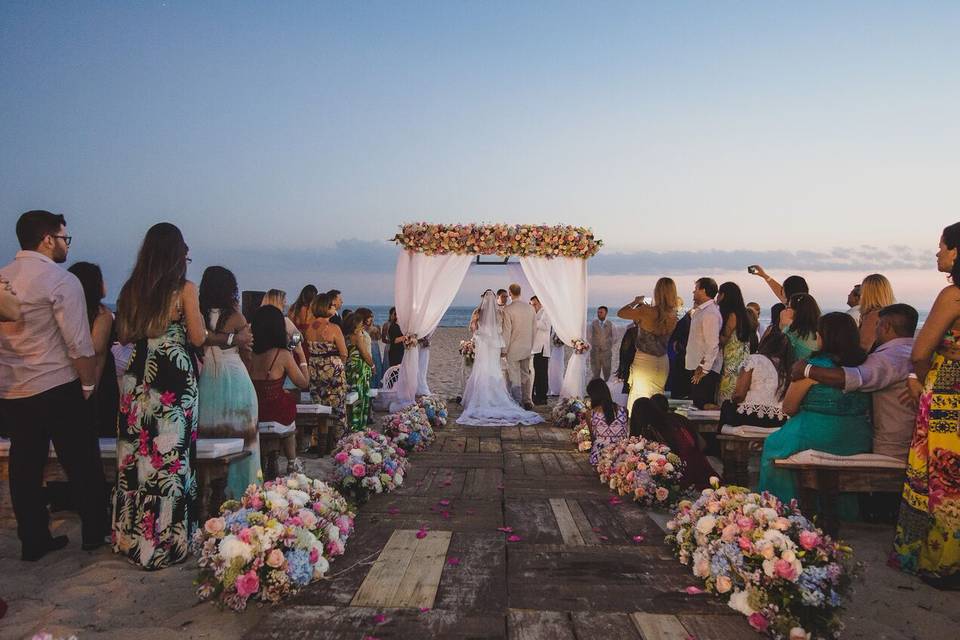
(99, 595)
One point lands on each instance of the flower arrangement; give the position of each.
(468, 350)
(580, 346)
(367, 462)
(436, 409)
(410, 341)
(643, 469)
(571, 412)
(766, 558)
(499, 239)
(409, 428)
(581, 437)
(276, 539)
(424, 343)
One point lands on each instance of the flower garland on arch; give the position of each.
(520, 240)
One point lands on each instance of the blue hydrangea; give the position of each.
(414, 438)
(298, 567)
(238, 518)
(431, 413)
(728, 556)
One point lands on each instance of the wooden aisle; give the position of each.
(522, 542)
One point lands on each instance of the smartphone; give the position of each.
(753, 269)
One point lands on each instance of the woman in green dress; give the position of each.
(799, 323)
(822, 418)
(359, 365)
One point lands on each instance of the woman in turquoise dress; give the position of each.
(822, 418)
(228, 399)
(799, 323)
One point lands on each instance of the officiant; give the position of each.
(541, 353)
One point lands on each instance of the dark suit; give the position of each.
(628, 349)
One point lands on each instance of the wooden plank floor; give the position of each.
(521, 542)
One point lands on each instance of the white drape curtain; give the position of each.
(424, 287)
(561, 285)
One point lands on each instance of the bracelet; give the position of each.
(806, 370)
(304, 365)
(230, 337)
(912, 376)
(88, 387)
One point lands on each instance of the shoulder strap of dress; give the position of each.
(274, 361)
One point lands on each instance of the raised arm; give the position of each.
(632, 310)
(775, 286)
(193, 319)
(296, 372)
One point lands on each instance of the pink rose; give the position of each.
(244, 534)
(358, 470)
(213, 526)
(785, 570)
(745, 544)
(248, 584)
(662, 494)
(275, 558)
(745, 523)
(341, 457)
(314, 555)
(729, 533)
(758, 622)
(335, 548)
(809, 539)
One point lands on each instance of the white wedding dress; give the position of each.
(486, 400)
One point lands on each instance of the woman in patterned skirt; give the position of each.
(927, 542)
(359, 365)
(158, 310)
(738, 326)
(326, 353)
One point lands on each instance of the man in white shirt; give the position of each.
(47, 370)
(853, 301)
(601, 345)
(704, 360)
(541, 354)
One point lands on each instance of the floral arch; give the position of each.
(434, 262)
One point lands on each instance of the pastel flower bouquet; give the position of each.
(767, 559)
(409, 428)
(274, 540)
(468, 350)
(436, 409)
(643, 469)
(499, 239)
(582, 438)
(580, 346)
(367, 462)
(570, 412)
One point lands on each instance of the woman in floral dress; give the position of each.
(359, 366)
(158, 310)
(326, 353)
(927, 542)
(738, 326)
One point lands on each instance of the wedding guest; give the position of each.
(300, 309)
(821, 417)
(799, 322)
(102, 406)
(154, 508)
(503, 298)
(47, 370)
(608, 420)
(927, 542)
(344, 315)
(627, 352)
(394, 339)
(704, 360)
(678, 382)
(278, 299)
(655, 323)
(754, 309)
(774, 326)
(652, 419)
(9, 302)
(738, 326)
(373, 332)
(359, 367)
(883, 375)
(853, 301)
(541, 354)
(761, 385)
(790, 287)
(601, 345)
(326, 354)
(228, 400)
(270, 364)
(876, 293)
(336, 303)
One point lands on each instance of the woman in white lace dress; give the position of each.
(763, 379)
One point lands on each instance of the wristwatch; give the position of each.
(230, 337)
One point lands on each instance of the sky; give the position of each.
(288, 140)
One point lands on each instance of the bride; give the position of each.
(486, 400)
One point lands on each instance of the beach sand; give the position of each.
(99, 595)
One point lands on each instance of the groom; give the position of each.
(519, 326)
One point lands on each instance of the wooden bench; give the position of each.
(824, 476)
(738, 445)
(703, 420)
(313, 419)
(272, 435)
(214, 457)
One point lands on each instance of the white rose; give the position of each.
(356, 453)
(320, 568)
(706, 524)
(333, 532)
(769, 514)
(376, 458)
(233, 547)
(739, 601)
(297, 497)
(398, 478)
(798, 633)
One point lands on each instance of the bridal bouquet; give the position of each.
(436, 409)
(367, 462)
(766, 559)
(409, 428)
(580, 346)
(468, 350)
(271, 542)
(571, 412)
(645, 470)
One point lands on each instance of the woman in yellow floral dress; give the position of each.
(928, 531)
(326, 355)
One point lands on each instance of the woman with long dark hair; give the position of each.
(799, 322)
(300, 309)
(761, 385)
(735, 333)
(105, 401)
(608, 420)
(228, 407)
(158, 310)
(326, 355)
(652, 419)
(359, 367)
(928, 533)
(822, 417)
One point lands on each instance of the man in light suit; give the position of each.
(541, 353)
(519, 326)
(601, 345)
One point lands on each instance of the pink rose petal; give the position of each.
(424, 609)
(393, 511)
(597, 529)
(421, 534)
(447, 483)
(445, 515)
(453, 562)
(379, 618)
(514, 538)
(505, 529)
(693, 590)
(444, 503)
(603, 538)
(638, 539)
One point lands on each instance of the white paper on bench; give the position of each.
(314, 408)
(372, 393)
(351, 398)
(748, 431)
(700, 414)
(276, 427)
(822, 458)
(207, 448)
(675, 403)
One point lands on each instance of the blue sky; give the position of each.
(289, 139)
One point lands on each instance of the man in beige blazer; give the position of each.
(519, 327)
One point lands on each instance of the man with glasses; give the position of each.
(47, 371)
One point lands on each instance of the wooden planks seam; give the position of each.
(658, 626)
(568, 526)
(407, 572)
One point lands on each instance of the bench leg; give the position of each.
(736, 461)
(271, 464)
(829, 482)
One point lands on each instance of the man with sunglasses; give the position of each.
(47, 370)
